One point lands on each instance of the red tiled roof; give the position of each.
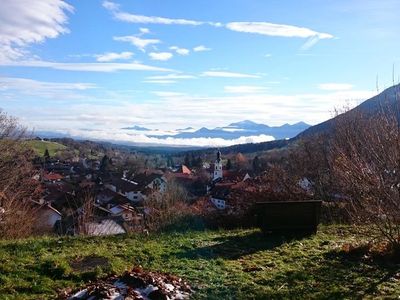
(185, 170)
(52, 176)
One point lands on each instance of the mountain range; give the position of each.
(233, 131)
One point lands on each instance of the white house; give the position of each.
(218, 203)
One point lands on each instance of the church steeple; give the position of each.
(218, 173)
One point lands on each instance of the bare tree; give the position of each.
(166, 208)
(85, 214)
(366, 165)
(17, 186)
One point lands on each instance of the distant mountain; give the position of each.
(137, 128)
(240, 129)
(388, 100)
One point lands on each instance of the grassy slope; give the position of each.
(40, 147)
(214, 262)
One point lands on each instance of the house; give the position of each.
(52, 177)
(219, 195)
(47, 217)
(127, 188)
(154, 182)
(184, 170)
(127, 212)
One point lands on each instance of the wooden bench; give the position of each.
(297, 217)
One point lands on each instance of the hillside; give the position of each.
(39, 147)
(236, 264)
(387, 100)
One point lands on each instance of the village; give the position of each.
(91, 197)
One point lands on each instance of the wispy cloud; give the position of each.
(171, 77)
(272, 29)
(144, 30)
(160, 81)
(244, 89)
(138, 42)
(335, 86)
(36, 21)
(134, 18)
(163, 56)
(111, 56)
(201, 48)
(263, 28)
(226, 74)
(43, 89)
(167, 94)
(85, 67)
(180, 51)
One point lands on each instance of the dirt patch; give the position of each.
(89, 263)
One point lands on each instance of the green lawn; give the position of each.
(235, 264)
(39, 147)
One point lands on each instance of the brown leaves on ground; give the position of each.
(136, 284)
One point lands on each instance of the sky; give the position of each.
(89, 68)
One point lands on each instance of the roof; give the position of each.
(125, 185)
(122, 207)
(104, 227)
(52, 176)
(184, 170)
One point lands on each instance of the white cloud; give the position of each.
(163, 56)
(201, 48)
(268, 55)
(24, 22)
(272, 29)
(168, 111)
(85, 67)
(133, 18)
(160, 81)
(171, 77)
(144, 30)
(123, 136)
(111, 56)
(244, 89)
(335, 86)
(228, 74)
(180, 51)
(164, 94)
(263, 28)
(43, 89)
(137, 41)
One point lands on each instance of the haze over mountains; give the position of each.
(236, 130)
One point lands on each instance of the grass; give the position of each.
(39, 147)
(225, 264)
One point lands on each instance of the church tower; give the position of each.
(218, 167)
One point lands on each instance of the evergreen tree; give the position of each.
(46, 154)
(104, 164)
(187, 160)
(256, 164)
(229, 164)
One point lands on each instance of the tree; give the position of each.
(17, 188)
(105, 163)
(187, 161)
(46, 154)
(229, 164)
(366, 165)
(256, 164)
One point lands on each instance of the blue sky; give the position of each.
(89, 68)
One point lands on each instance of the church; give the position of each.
(218, 172)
